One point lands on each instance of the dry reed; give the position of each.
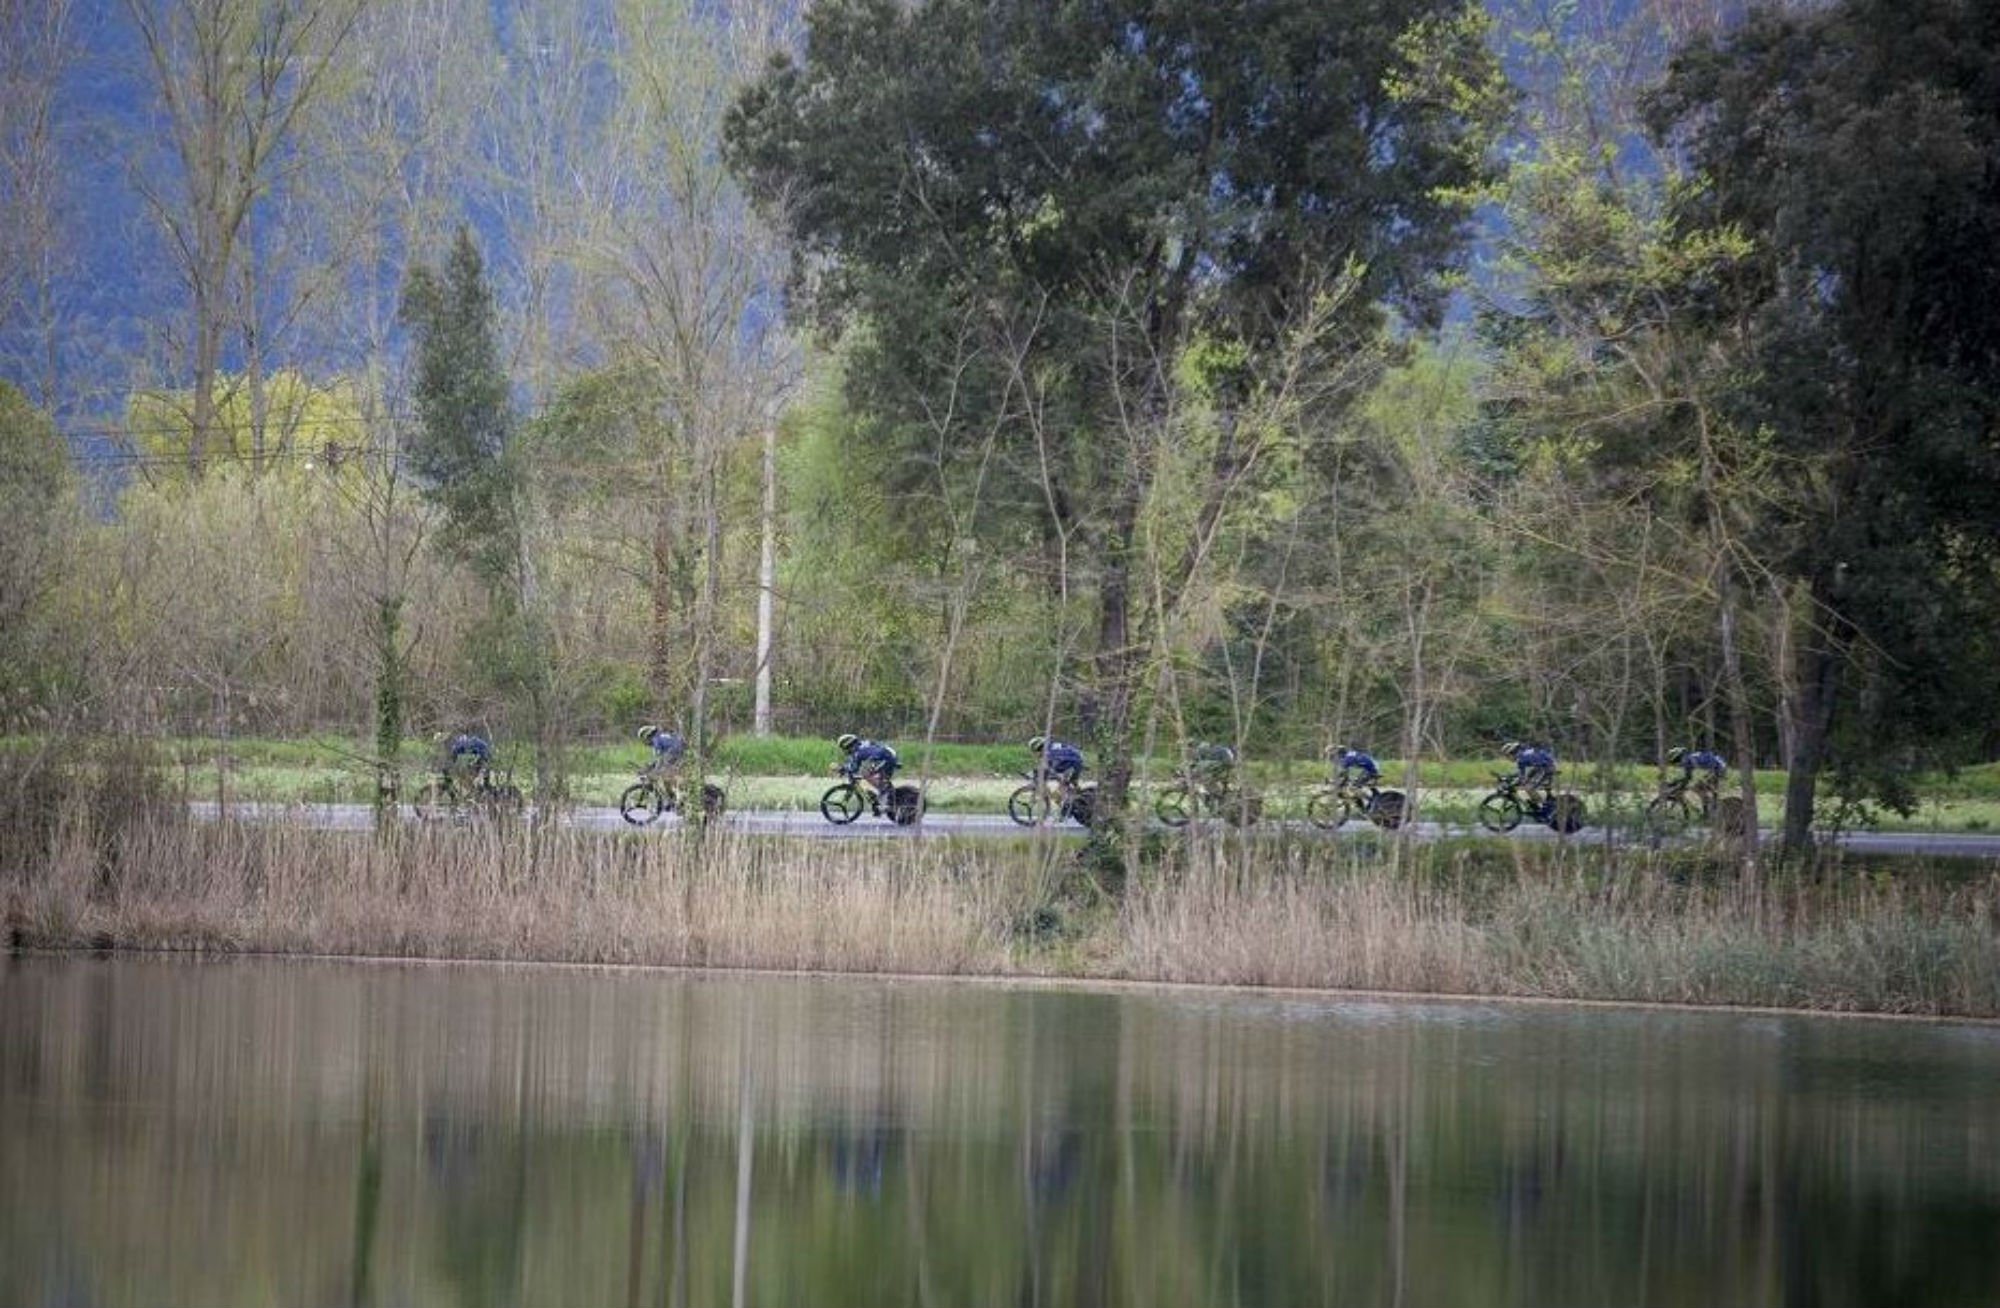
(1493, 918)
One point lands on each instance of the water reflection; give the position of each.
(257, 1133)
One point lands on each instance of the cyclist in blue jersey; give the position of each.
(466, 755)
(1062, 762)
(1353, 767)
(1690, 761)
(668, 748)
(868, 758)
(1534, 767)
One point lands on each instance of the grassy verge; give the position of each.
(1464, 918)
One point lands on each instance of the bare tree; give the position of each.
(685, 279)
(232, 80)
(37, 47)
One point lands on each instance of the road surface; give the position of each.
(800, 822)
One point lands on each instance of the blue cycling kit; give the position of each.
(667, 746)
(1063, 762)
(1360, 763)
(1706, 760)
(872, 756)
(467, 745)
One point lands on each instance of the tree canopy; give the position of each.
(1036, 209)
(1858, 146)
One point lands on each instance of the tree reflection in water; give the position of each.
(213, 1135)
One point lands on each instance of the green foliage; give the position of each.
(1077, 240)
(463, 405)
(1857, 144)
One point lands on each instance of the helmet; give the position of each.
(647, 732)
(1675, 754)
(1038, 743)
(846, 741)
(1511, 748)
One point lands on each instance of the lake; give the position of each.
(277, 1132)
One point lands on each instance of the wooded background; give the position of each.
(1405, 374)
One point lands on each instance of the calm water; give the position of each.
(316, 1133)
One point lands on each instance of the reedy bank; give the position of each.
(1486, 918)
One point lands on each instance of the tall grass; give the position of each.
(1472, 918)
(508, 893)
(1575, 923)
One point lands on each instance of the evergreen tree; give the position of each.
(463, 407)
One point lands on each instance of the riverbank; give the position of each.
(1467, 918)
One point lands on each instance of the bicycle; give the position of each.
(1671, 811)
(848, 799)
(1332, 805)
(1031, 805)
(1185, 800)
(651, 795)
(449, 795)
(1504, 809)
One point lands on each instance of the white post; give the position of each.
(767, 578)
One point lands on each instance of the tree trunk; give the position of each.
(704, 618)
(1741, 741)
(207, 362)
(1110, 713)
(253, 365)
(661, 644)
(767, 580)
(1822, 657)
(388, 707)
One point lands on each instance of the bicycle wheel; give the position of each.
(1567, 814)
(1328, 809)
(1499, 812)
(1732, 817)
(906, 805)
(1668, 814)
(1388, 809)
(713, 799)
(433, 801)
(1175, 806)
(641, 803)
(1028, 805)
(842, 804)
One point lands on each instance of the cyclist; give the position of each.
(667, 747)
(1352, 767)
(1213, 767)
(1704, 760)
(1062, 762)
(1534, 767)
(468, 756)
(868, 758)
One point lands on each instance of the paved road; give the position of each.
(799, 822)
